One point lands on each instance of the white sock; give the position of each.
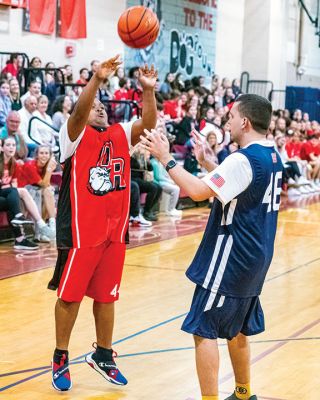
(41, 223)
(52, 221)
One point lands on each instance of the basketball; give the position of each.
(138, 27)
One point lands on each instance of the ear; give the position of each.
(246, 124)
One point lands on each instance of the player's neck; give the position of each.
(251, 136)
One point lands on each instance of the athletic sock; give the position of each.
(57, 355)
(104, 354)
(242, 391)
(210, 397)
(41, 223)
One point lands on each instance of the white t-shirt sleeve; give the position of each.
(127, 127)
(67, 147)
(230, 178)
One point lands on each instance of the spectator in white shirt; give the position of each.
(26, 113)
(34, 89)
(41, 132)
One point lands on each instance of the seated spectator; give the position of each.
(229, 97)
(35, 176)
(134, 75)
(140, 163)
(310, 151)
(12, 129)
(292, 173)
(167, 86)
(34, 89)
(9, 172)
(136, 218)
(122, 110)
(185, 127)
(36, 74)
(281, 125)
(208, 118)
(162, 178)
(94, 66)
(84, 76)
(236, 87)
(61, 111)
(191, 163)
(293, 146)
(215, 83)
(69, 73)
(12, 66)
(173, 109)
(114, 80)
(42, 133)
(178, 83)
(10, 203)
(26, 113)
(16, 104)
(5, 102)
(297, 115)
(208, 102)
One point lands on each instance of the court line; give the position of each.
(83, 355)
(273, 348)
(156, 326)
(23, 371)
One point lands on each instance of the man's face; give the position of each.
(281, 124)
(31, 104)
(98, 115)
(13, 122)
(236, 123)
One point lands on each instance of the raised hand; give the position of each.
(148, 77)
(157, 144)
(108, 67)
(199, 146)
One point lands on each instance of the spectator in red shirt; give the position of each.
(84, 76)
(310, 151)
(12, 66)
(36, 176)
(293, 146)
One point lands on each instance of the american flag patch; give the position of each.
(274, 158)
(217, 180)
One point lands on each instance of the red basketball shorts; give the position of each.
(94, 272)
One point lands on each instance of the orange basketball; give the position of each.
(138, 27)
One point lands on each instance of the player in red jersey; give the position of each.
(92, 219)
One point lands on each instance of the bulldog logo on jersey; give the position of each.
(108, 174)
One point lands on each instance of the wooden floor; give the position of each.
(156, 357)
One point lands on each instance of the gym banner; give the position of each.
(72, 19)
(187, 40)
(13, 3)
(40, 16)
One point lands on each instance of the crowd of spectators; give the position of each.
(183, 106)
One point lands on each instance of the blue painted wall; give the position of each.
(187, 39)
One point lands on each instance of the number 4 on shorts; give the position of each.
(114, 291)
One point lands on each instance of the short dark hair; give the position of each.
(257, 109)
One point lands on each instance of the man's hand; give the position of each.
(108, 67)
(148, 77)
(157, 144)
(199, 146)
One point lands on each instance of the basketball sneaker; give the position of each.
(234, 397)
(25, 244)
(20, 220)
(103, 362)
(61, 379)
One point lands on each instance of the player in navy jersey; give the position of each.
(236, 250)
(92, 219)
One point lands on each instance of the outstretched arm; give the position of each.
(158, 146)
(80, 114)
(147, 79)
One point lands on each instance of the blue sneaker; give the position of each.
(234, 397)
(107, 368)
(61, 379)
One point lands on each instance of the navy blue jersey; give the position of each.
(237, 247)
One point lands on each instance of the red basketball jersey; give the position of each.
(94, 197)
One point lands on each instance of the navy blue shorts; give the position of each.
(215, 316)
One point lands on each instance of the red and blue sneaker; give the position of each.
(102, 360)
(61, 379)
